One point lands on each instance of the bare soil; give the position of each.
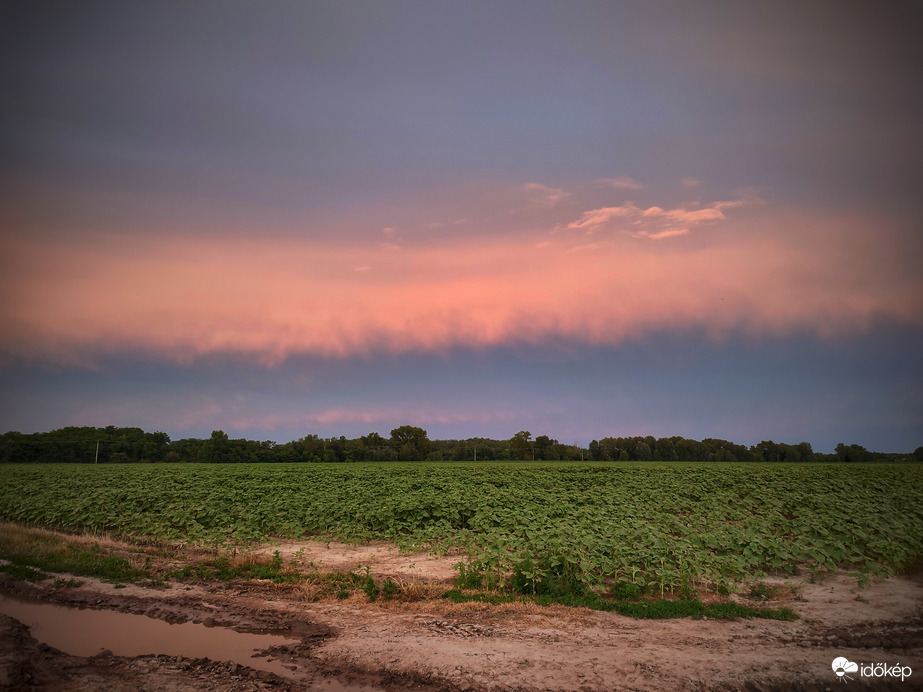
(383, 559)
(434, 644)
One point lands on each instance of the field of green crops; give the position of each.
(660, 527)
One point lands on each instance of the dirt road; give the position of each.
(438, 645)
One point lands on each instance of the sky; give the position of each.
(581, 219)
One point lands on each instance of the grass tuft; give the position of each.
(655, 609)
(23, 573)
(42, 550)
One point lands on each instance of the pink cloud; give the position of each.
(667, 233)
(597, 217)
(654, 222)
(766, 271)
(695, 216)
(239, 416)
(238, 413)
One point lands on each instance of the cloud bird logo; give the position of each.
(841, 666)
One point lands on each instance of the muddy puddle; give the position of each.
(85, 632)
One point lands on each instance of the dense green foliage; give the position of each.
(406, 443)
(85, 445)
(653, 527)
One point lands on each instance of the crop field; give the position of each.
(642, 528)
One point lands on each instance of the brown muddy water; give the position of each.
(86, 632)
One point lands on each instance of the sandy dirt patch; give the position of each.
(383, 559)
(438, 645)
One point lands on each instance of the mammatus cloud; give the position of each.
(623, 182)
(769, 272)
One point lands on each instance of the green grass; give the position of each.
(655, 609)
(547, 582)
(339, 583)
(32, 552)
(83, 562)
(223, 568)
(23, 572)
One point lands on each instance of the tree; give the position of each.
(596, 452)
(806, 451)
(378, 448)
(853, 453)
(609, 448)
(767, 450)
(216, 448)
(664, 450)
(355, 450)
(412, 442)
(155, 446)
(521, 446)
(642, 451)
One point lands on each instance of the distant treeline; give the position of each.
(406, 443)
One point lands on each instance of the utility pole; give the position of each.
(96, 460)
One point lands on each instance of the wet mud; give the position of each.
(354, 645)
(281, 657)
(87, 632)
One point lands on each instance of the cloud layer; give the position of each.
(768, 272)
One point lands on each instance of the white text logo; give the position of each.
(843, 666)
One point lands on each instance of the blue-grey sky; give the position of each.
(581, 219)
